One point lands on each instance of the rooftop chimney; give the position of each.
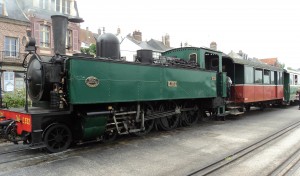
(118, 31)
(166, 40)
(213, 45)
(137, 35)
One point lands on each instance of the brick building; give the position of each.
(39, 13)
(13, 25)
(19, 17)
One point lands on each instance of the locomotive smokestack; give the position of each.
(59, 28)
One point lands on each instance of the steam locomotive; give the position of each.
(78, 98)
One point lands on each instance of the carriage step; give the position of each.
(234, 107)
(235, 112)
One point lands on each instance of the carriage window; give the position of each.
(280, 81)
(272, 78)
(266, 77)
(296, 79)
(291, 79)
(193, 57)
(258, 76)
(249, 75)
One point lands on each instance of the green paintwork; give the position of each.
(93, 126)
(222, 84)
(290, 89)
(184, 53)
(286, 86)
(293, 92)
(126, 82)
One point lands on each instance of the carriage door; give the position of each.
(286, 86)
(274, 82)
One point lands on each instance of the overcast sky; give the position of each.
(262, 29)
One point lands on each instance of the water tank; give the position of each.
(144, 56)
(108, 46)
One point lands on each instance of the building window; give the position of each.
(68, 7)
(19, 80)
(1, 6)
(11, 46)
(63, 6)
(8, 81)
(44, 4)
(44, 36)
(58, 5)
(69, 40)
(53, 5)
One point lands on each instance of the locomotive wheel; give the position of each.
(189, 118)
(11, 133)
(58, 138)
(170, 122)
(149, 124)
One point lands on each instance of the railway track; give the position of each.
(288, 166)
(24, 157)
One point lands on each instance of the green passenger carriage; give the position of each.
(291, 85)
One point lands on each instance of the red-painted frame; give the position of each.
(250, 93)
(24, 121)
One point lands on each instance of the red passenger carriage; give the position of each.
(254, 83)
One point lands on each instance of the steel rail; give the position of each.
(224, 161)
(290, 165)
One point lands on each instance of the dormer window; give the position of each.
(44, 4)
(3, 11)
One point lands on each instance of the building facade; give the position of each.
(39, 13)
(19, 18)
(13, 26)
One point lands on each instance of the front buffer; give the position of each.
(50, 129)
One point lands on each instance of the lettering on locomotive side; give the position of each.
(172, 83)
(26, 121)
(23, 120)
(1, 115)
(213, 78)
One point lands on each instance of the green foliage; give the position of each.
(15, 99)
(85, 50)
(91, 50)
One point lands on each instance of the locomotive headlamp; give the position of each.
(29, 43)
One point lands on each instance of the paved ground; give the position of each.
(178, 152)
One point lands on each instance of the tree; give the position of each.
(91, 50)
(15, 99)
